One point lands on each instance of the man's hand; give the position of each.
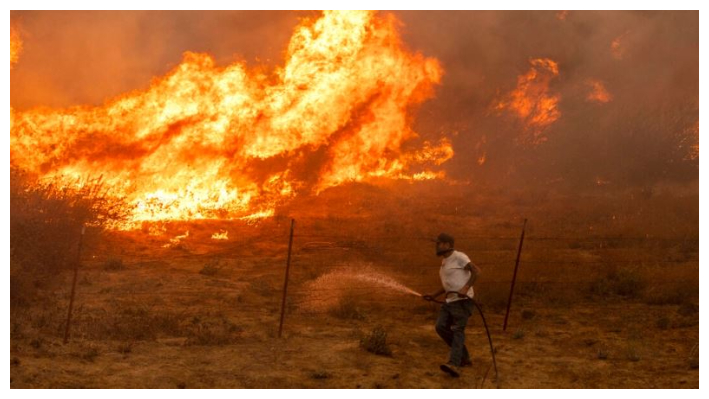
(464, 290)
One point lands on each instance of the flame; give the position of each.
(690, 139)
(175, 242)
(694, 152)
(479, 147)
(598, 92)
(221, 235)
(532, 102)
(15, 46)
(617, 46)
(206, 141)
(601, 181)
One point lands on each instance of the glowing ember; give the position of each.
(532, 102)
(598, 92)
(255, 217)
(600, 181)
(689, 140)
(190, 146)
(561, 15)
(479, 147)
(221, 235)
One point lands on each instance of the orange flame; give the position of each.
(15, 46)
(598, 92)
(617, 46)
(227, 142)
(221, 235)
(532, 102)
(690, 139)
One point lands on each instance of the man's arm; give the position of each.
(474, 273)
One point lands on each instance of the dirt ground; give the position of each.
(613, 306)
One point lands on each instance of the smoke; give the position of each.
(647, 64)
(85, 57)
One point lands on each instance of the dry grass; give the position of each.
(162, 322)
(348, 308)
(47, 221)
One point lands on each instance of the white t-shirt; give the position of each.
(454, 276)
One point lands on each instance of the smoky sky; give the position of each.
(640, 137)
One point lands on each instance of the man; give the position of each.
(458, 275)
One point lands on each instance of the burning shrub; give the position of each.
(376, 342)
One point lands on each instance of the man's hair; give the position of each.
(443, 237)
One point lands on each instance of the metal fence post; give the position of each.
(285, 283)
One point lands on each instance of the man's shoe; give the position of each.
(451, 369)
(466, 363)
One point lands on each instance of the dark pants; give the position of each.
(451, 323)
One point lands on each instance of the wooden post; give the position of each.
(514, 276)
(73, 286)
(285, 283)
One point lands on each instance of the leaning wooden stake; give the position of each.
(285, 283)
(73, 286)
(514, 276)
